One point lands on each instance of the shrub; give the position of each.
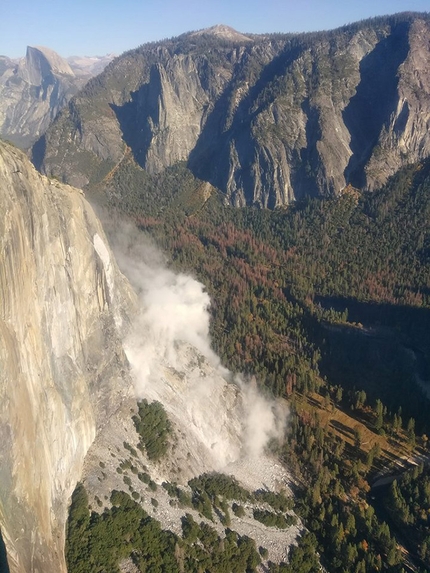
(154, 429)
(238, 510)
(144, 477)
(274, 519)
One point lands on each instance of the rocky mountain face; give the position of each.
(266, 119)
(63, 311)
(35, 88)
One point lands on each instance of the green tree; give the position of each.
(379, 412)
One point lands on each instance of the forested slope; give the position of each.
(327, 304)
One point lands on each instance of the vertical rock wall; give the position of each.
(63, 306)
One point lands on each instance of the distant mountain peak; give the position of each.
(89, 65)
(25, 112)
(50, 60)
(223, 31)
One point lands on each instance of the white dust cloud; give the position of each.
(227, 422)
(264, 420)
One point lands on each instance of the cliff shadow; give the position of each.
(383, 350)
(38, 155)
(136, 116)
(4, 566)
(369, 110)
(210, 158)
(304, 175)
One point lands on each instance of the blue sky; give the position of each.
(97, 27)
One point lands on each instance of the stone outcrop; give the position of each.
(405, 137)
(64, 307)
(266, 119)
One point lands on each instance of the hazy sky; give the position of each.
(98, 27)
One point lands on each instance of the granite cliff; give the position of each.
(266, 119)
(63, 310)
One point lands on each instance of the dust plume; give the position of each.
(227, 416)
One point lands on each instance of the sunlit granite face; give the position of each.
(63, 370)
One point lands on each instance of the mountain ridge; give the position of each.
(267, 121)
(222, 31)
